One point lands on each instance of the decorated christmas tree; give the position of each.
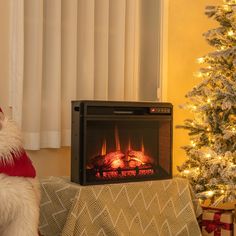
(211, 153)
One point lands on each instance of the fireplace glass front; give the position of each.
(121, 142)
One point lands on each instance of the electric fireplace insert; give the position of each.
(120, 141)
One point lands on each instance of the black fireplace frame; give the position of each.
(89, 110)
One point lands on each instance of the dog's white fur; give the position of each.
(10, 140)
(19, 206)
(19, 196)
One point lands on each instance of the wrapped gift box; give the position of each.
(217, 222)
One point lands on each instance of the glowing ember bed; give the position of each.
(120, 141)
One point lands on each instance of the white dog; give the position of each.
(19, 189)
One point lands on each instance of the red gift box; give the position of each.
(217, 222)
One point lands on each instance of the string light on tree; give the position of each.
(200, 60)
(208, 155)
(198, 74)
(186, 172)
(226, 7)
(193, 143)
(230, 33)
(210, 193)
(222, 47)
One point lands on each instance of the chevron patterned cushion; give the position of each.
(143, 208)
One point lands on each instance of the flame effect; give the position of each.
(104, 148)
(129, 145)
(117, 140)
(118, 164)
(142, 147)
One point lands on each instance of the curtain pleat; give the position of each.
(63, 50)
(149, 48)
(32, 83)
(101, 37)
(51, 83)
(116, 49)
(85, 82)
(68, 64)
(16, 58)
(131, 50)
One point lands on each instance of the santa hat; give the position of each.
(13, 159)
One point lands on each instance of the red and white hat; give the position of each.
(13, 159)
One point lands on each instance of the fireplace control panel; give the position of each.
(160, 110)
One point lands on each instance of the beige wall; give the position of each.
(187, 22)
(186, 25)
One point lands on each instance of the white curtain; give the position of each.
(63, 50)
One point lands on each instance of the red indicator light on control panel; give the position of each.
(153, 109)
